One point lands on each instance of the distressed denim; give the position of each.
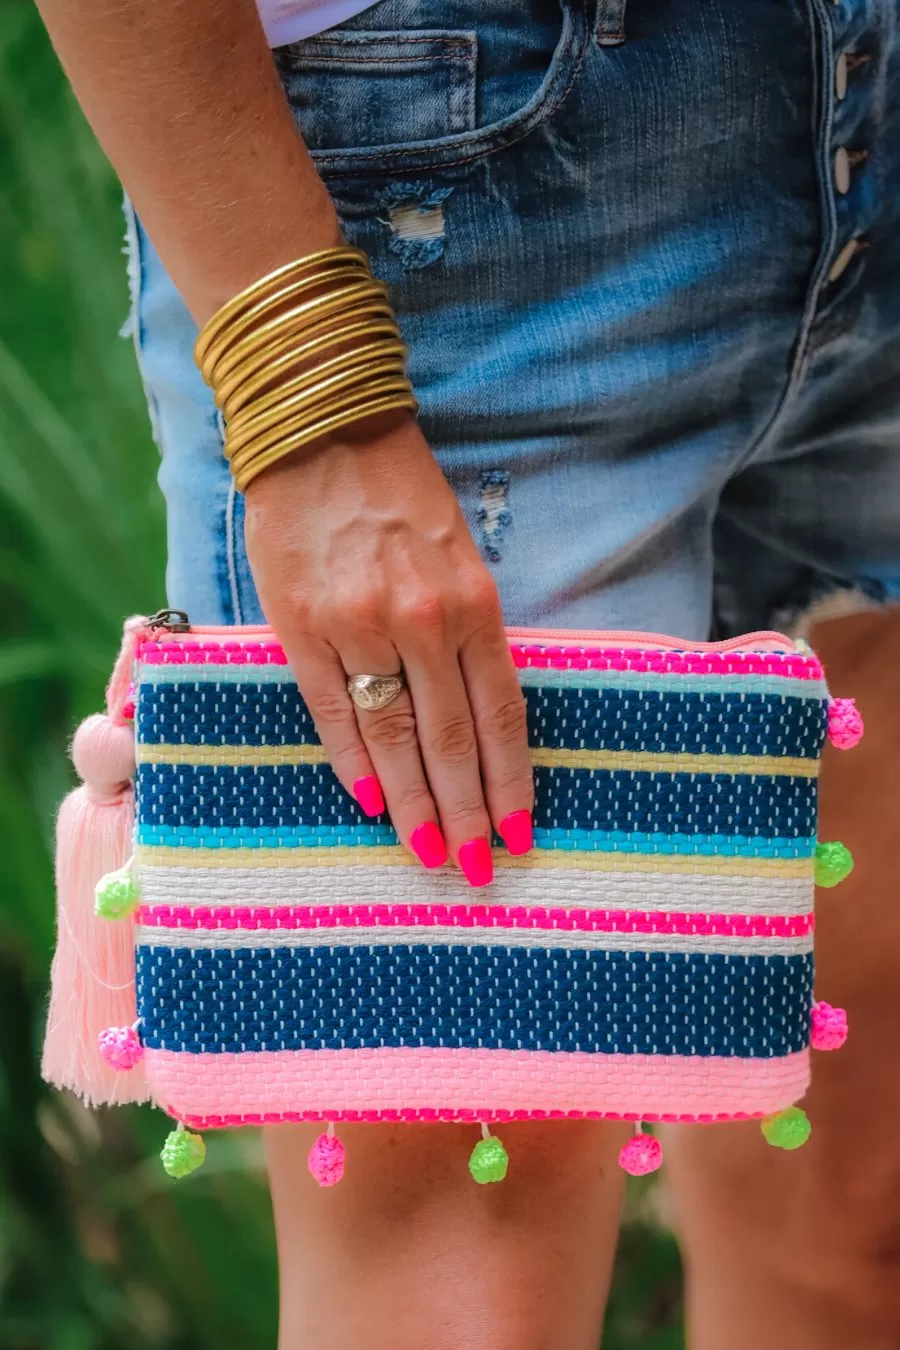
(648, 266)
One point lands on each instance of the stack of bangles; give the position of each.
(302, 352)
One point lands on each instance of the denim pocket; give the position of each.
(352, 89)
(397, 102)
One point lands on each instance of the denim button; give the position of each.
(842, 260)
(842, 171)
(840, 76)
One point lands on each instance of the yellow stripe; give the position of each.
(342, 855)
(640, 761)
(630, 761)
(231, 754)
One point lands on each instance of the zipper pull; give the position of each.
(173, 620)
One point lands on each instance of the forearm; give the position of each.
(184, 98)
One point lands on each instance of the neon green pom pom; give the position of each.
(489, 1160)
(786, 1129)
(834, 862)
(115, 895)
(183, 1152)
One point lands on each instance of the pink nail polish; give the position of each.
(476, 862)
(368, 793)
(517, 832)
(427, 842)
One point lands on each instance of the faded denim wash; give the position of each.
(648, 266)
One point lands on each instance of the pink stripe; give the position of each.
(554, 657)
(663, 662)
(211, 1090)
(472, 916)
(211, 653)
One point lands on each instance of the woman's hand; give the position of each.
(364, 564)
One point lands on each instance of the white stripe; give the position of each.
(565, 889)
(440, 936)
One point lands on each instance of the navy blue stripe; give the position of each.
(191, 795)
(509, 998)
(657, 721)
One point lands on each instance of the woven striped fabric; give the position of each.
(651, 958)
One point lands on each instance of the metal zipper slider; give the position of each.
(173, 620)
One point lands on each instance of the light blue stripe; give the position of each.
(528, 677)
(682, 684)
(216, 674)
(370, 836)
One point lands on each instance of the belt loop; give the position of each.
(610, 27)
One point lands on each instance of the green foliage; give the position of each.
(99, 1250)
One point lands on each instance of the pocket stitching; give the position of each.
(488, 140)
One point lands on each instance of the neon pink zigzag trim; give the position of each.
(549, 657)
(472, 916)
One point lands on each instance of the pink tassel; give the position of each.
(93, 970)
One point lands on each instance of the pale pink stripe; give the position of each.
(557, 657)
(473, 916)
(211, 1090)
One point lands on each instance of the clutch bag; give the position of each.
(286, 959)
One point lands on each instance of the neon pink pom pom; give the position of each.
(829, 1028)
(103, 755)
(120, 1047)
(642, 1154)
(326, 1160)
(845, 724)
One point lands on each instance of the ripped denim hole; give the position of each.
(416, 221)
(494, 515)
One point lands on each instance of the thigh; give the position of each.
(803, 1247)
(408, 1252)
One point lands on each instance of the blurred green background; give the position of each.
(98, 1250)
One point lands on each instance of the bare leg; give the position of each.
(409, 1253)
(803, 1249)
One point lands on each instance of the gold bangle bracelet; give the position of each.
(246, 323)
(250, 293)
(242, 480)
(288, 353)
(338, 373)
(292, 321)
(249, 446)
(239, 458)
(266, 431)
(287, 387)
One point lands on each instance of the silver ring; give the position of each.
(372, 692)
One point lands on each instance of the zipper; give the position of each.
(177, 623)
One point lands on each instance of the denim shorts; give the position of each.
(647, 261)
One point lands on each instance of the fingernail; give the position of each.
(368, 793)
(428, 845)
(476, 862)
(516, 831)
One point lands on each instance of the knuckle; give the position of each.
(357, 613)
(467, 814)
(425, 612)
(482, 598)
(453, 742)
(393, 730)
(413, 798)
(330, 709)
(506, 722)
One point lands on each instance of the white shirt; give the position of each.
(290, 20)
